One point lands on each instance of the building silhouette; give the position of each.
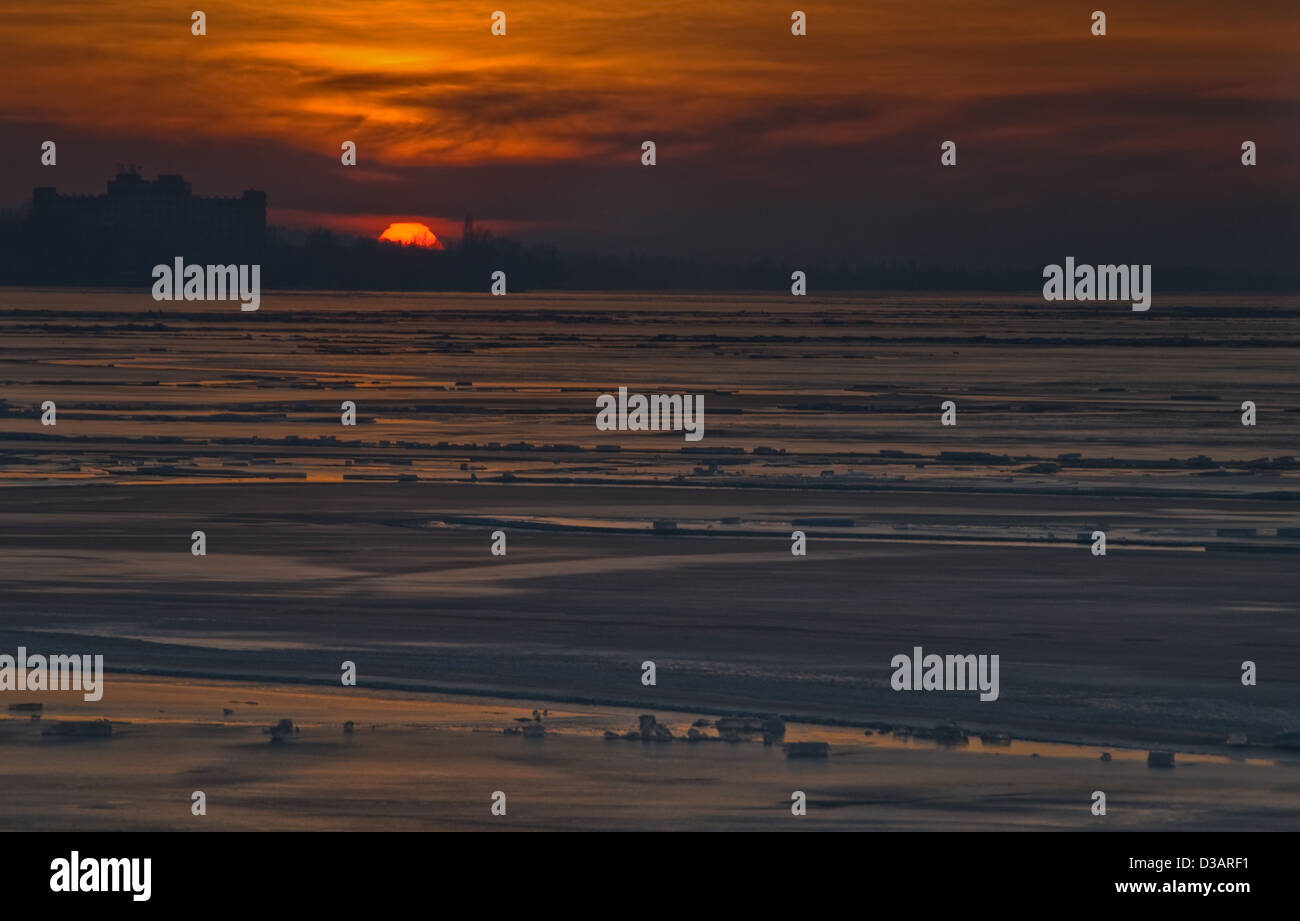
(119, 236)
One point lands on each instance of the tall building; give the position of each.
(138, 223)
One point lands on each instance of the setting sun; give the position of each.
(411, 234)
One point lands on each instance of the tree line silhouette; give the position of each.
(329, 260)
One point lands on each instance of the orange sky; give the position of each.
(425, 82)
(425, 85)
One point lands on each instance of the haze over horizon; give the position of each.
(1120, 148)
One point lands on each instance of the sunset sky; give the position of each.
(1122, 148)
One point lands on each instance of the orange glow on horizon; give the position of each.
(410, 233)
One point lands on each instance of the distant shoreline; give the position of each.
(1284, 286)
(875, 722)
